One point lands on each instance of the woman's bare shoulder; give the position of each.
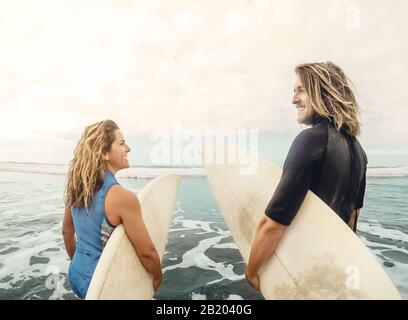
(118, 194)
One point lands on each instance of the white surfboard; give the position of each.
(319, 257)
(119, 273)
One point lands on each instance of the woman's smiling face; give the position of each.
(117, 156)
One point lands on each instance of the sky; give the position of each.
(149, 64)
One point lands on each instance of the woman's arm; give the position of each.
(125, 203)
(68, 233)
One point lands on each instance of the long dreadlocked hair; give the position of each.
(330, 94)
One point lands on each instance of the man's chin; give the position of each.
(301, 120)
(306, 121)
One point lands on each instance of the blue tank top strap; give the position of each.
(109, 181)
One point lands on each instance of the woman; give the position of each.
(95, 203)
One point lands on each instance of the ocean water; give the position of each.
(201, 260)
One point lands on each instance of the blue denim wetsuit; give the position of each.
(92, 230)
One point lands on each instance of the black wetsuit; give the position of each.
(329, 163)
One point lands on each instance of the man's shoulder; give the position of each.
(311, 143)
(358, 147)
(316, 134)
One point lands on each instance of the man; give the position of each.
(326, 159)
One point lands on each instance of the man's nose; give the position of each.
(295, 99)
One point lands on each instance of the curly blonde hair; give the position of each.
(330, 95)
(86, 169)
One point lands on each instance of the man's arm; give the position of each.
(267, 237)
(68, 233)
(307, 148)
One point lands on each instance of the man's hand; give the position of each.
(267, 237)
(156, 283)
(253, 280)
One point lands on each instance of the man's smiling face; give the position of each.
(302, 102)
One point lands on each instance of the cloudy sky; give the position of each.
(205, 64)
